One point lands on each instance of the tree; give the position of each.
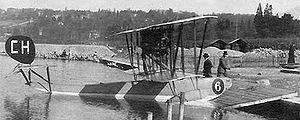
(259, 22)
(287, 24)
(223, 29)
(268, 10)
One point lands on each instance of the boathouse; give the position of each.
(218, 44)
(239, 45)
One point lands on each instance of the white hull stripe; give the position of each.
(158, 98)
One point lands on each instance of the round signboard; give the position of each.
(21, 49)
(218, 86)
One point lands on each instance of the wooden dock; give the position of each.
(291, 71)
(295, 100)
(243, 93)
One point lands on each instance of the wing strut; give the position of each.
(177, 46)
(30, 70)
(130, 53)
(202, 44)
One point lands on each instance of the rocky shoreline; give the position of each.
(94, 53)
(73, 52)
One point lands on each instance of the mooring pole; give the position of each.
(169, 107)
(181, 106)
(149, 115)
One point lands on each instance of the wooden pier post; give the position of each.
(169, 107)
(149, 116)
(181, 106)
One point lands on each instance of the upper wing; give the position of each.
(184, 21)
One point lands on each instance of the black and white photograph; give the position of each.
(149, 59)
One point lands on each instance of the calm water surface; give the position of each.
(18, 102)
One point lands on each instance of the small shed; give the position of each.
(239, 45)
(218, 44)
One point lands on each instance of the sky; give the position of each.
(198, 6)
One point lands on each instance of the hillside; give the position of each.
(49, 26)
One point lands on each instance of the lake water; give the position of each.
(18, 101)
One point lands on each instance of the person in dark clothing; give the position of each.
(64, 54)
(223, 65)
(207, 66)
(291, 58)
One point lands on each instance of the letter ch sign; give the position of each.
(20, 48)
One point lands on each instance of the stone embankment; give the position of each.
(74, 52)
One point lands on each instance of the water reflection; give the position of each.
(219, 114)
(37, 107)
(29, 108)
(17, 111)
(16, 106)
(276, 110)
(96, 101)
(138, 109)
(133, 109)
(47, 106)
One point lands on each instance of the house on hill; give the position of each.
(239, 45)
(218, 44)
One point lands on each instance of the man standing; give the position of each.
(223, 65)
(291, 58)
(207, 66)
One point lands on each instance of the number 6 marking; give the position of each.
(218, 86)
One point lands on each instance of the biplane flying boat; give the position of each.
(157, 77)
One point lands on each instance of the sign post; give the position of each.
(21, 49)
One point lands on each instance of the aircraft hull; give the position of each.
(148, 90)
